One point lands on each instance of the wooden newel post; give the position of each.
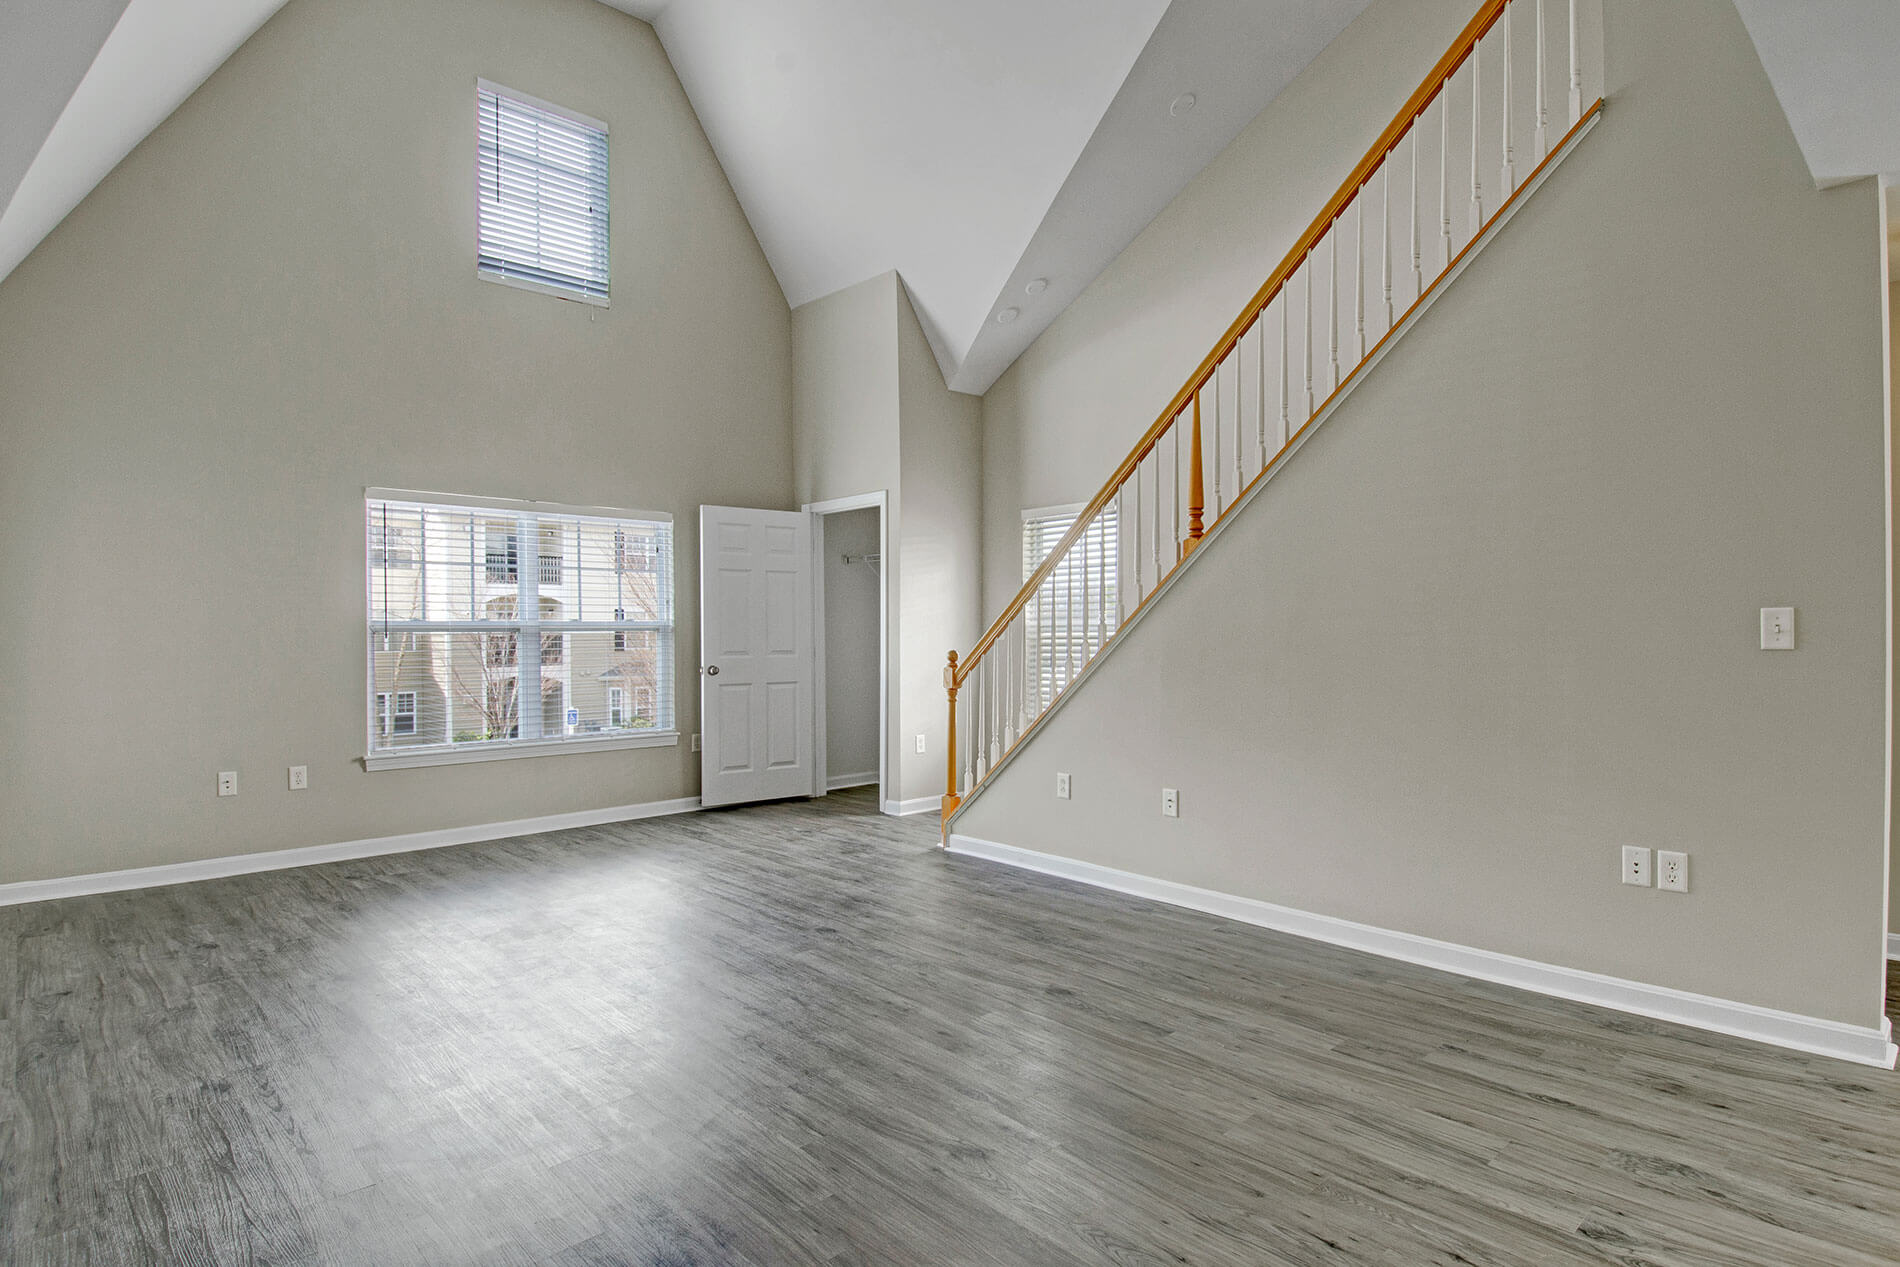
(1197, 496)
(950, 798)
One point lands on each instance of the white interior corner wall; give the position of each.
(271, 305)
(1498, 618)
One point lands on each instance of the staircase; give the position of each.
(1356, 280)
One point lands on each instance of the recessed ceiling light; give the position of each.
(1036, 286)
(1182, 104)
(1008, 315)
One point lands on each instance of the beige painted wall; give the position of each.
(1893, 400)
(940, 540)
(845, 428)
(1499, 617)
(273, 304)
(870, 412)
(844, 392)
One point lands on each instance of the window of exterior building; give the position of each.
(541, 177)
(458, 672)
(396, 712)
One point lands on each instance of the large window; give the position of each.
(1078, 606)
(473, 655)
(541, 216)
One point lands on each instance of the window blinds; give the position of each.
(512, 622)
(542, 181)
(1077, 606)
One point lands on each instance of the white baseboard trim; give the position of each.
(1862, 1045)
(839, 782)
(916, 805)
(1893, 945)
(311, 855)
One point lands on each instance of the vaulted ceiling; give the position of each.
(996, 153)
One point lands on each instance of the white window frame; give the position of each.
(529, 633)
(617, 707)
(574, 294)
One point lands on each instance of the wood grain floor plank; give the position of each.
(798, 1034)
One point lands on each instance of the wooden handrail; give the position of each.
(1448, 65)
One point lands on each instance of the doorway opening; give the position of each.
(852, 602)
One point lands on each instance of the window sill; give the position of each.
(461, 754)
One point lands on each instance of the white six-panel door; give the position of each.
(757, 671)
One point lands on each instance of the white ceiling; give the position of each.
(136, 72)
(1835, 65)
(974, 145)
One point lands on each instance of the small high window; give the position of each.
(541, 222)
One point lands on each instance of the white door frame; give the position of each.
(818, 510)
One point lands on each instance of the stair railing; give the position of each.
(1276, 369)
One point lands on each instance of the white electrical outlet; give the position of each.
(920, 743)
(1777, 629)
(1636, 865)
(1170, 802)
(695, 741)
(299, 777)
(1672, 871)
(1062, 787)
(227, 783)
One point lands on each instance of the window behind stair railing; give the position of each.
(1074, 611)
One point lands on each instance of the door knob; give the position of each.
(712, 670)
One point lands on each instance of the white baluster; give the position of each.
(1507, 178)
(1385, 236)
(977, 717)
(1174, 492)
(1444, 170)
(1216, 451)
(1012, 692)
(1156, 534)
(1359, 275)
(1286, 319)
(1260, 398)
(1332, 303)
(1308, 345)
(1240, 473)
(1068, 618)
(1140, 592)
(1576, 70)
(1542, 144)
(1477, 115)
(966, 736)
(1030, 665)
(1004, 727)
(1418, 270)
(1101, 580)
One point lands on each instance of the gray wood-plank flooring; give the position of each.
(799, 1034)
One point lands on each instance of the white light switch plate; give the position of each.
(1062, 787)
(1777, 629)
(1170, 803)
